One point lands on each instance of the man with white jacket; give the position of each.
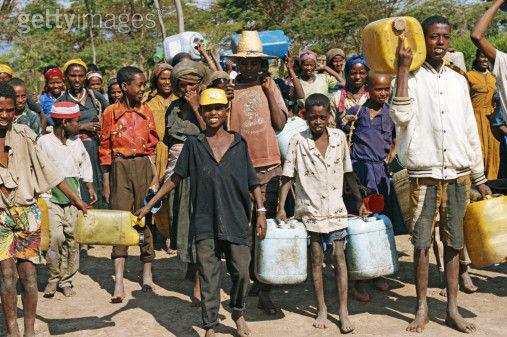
(438, 143)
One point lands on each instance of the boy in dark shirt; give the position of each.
(221, 177)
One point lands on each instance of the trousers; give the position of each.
(237, 257)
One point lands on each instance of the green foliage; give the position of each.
(316, 24)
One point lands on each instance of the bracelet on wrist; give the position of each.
(263, 209)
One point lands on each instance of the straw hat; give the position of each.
(250, 45)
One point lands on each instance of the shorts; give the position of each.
(20, 233)
(328, 239)
(446, 200)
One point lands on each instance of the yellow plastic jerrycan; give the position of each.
(44, 226)
(109, 228)
(381, 39)
(485, 229)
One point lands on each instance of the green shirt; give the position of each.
(30, 119)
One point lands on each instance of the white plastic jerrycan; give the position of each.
(184, 42)
(281, 258)
(371, 249)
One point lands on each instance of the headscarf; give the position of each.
(354, 60)
(53, 72)
(157, 70)
(74, 61)
(188, 71)
(220, 74)
(331, 53)
(93, 74)
(4, 68)
(308, 55)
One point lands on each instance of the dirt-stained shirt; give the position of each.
(127, 133)
(28, 172)
(319, 180)
(251, 118)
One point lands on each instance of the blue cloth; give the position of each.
(46, 102)
(372, 139)
(354, 60)
(328, 239)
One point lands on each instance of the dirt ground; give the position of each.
(169, 312)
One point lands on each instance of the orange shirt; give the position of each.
(127, 132)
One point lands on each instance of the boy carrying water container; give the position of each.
(318, 161)
(221, 179)
(67, 152)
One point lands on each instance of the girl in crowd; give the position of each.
(482, 88)
(159, 100)
(354, 93)
(53, 88)
(94, 79)
(182, 120)
(113, 90)
(335, 59)
(310, 81)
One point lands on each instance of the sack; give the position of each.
(402, 189)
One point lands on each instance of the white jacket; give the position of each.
(436, 130)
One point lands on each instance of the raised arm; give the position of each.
(481, 27)
(298, 88)
(402, 110)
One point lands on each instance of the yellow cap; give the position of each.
(4, 68)
(213, 96)
(74, 61)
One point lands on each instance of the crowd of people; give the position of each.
(203, 140)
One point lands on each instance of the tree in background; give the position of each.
(317, 24)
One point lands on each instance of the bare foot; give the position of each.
(29, 334)
(456, 321)
(346, 325)
(68, 291)
(359, 292)
(210, 333)
(466, 284)
(381, 284)
(265, 304)
(50, 290)
(241, 327)
(421, 319)
(119, 293)
(321, 319)
(16, 331)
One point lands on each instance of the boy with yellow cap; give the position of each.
(221, 179)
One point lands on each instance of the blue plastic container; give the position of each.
(274, 42)
(371, 248)
(281, 258)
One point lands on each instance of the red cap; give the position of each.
(65, 110)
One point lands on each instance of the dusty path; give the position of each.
(169, 312)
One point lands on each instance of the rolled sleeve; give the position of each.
(402, 110)
(182, 167)
(86, 170)
(347, 162)
(289, 166)
(105, 156)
